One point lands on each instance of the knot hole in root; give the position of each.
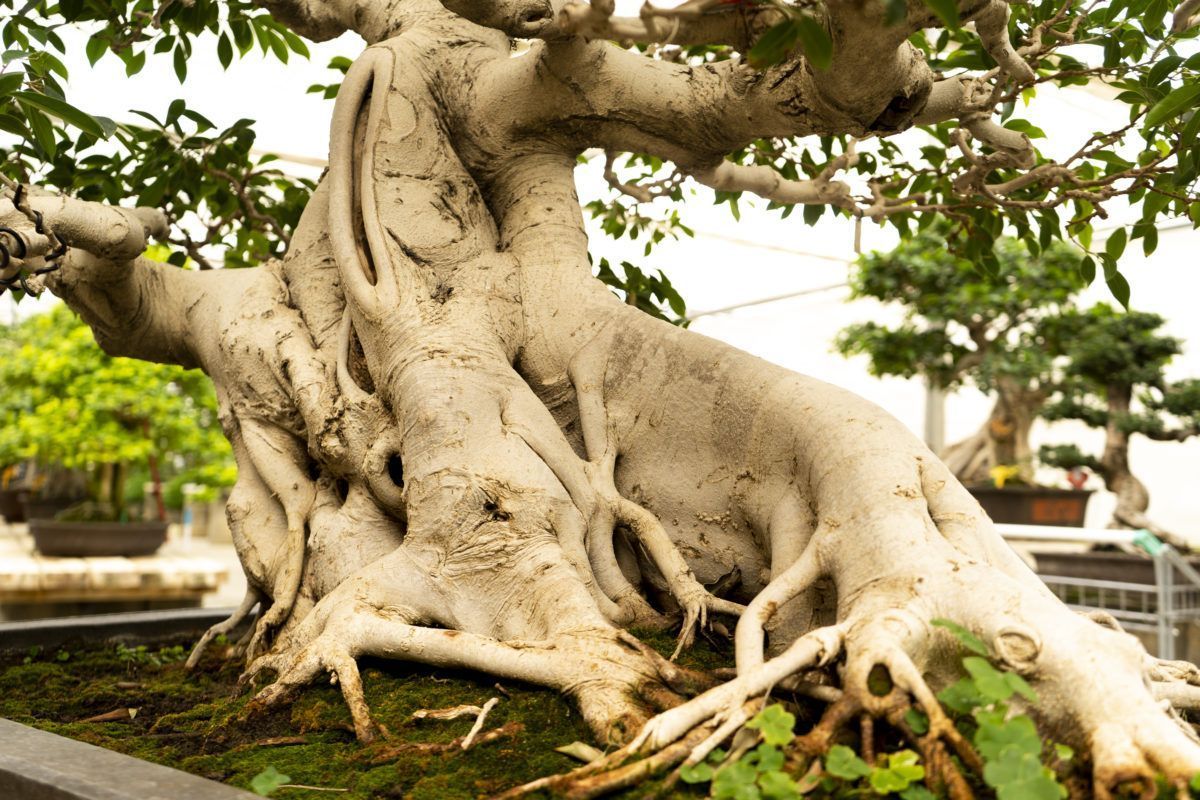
(395, 469)
(879, 681)
(494, 511)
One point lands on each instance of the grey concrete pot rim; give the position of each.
(38, 765)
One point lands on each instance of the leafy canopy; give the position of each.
(65, 402)
(961, 324)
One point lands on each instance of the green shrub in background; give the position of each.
(65, 403)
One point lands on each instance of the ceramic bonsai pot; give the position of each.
(1102, 566)
(12, 504)
(1033, 505)
(48, 507)
(80, 539)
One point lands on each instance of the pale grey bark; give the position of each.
(441, 419)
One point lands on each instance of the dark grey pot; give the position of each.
(79, 539)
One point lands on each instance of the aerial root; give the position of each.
(592, 488)
(295, 669)
(392, 752)
(240, 614)
(478, 726)
(688, 734)
(681, 680)
(612, 773)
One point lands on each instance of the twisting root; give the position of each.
(591, 487)
(478, 726)
(249, 602)
(295, 671)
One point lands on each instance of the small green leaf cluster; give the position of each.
(652, 294)
(798, 27)
(339, 64)
(757, 774)
(760, 773)
(141, 656)
(35, 652)
(896, 773)
(1008, 742)
(267, 781)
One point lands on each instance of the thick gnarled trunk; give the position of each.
(442, 420)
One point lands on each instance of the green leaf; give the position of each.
(901, 771)
(1115, 245)
(64, 111)
(1175, 103)
(778, 785)
(961, 697)
(180, 62)
(776, 725)
(135, 62)
(696, 773)
(95, 48)
(295, 43)
(10, 83)
(736, 782)
(988, 680)
(997, 734)
(917, 792)
(964, 636)
(843, 763)
(1020, 686)
(767, 758)
(917, 721)
(268, 781)
(946, 10)
(818, 47)
(43, 131)
(1064, 752)
(1021, 776)
(774, 45)
(224, 51)
(1119, 286)
(1087, 269)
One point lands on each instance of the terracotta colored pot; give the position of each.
(1033, 505)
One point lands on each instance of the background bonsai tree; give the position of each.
(68, 405)
(1114, 379)
(966, 324)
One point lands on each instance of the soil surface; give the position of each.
(196, 721)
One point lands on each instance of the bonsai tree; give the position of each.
(458, 447)
(68, 405)
(964, 324)
(1114, 379)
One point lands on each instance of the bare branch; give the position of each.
(693, 23)
(769, 184)
(992, 27)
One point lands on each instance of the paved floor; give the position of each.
(16, 542)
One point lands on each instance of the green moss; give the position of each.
(197, 722)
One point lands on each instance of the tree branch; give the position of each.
(769, 184)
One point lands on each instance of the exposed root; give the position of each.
(241, 613)
(592, 490)
(447, 714)
(478, 726)
(392, 752)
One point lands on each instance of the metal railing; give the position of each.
(1159, 608)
